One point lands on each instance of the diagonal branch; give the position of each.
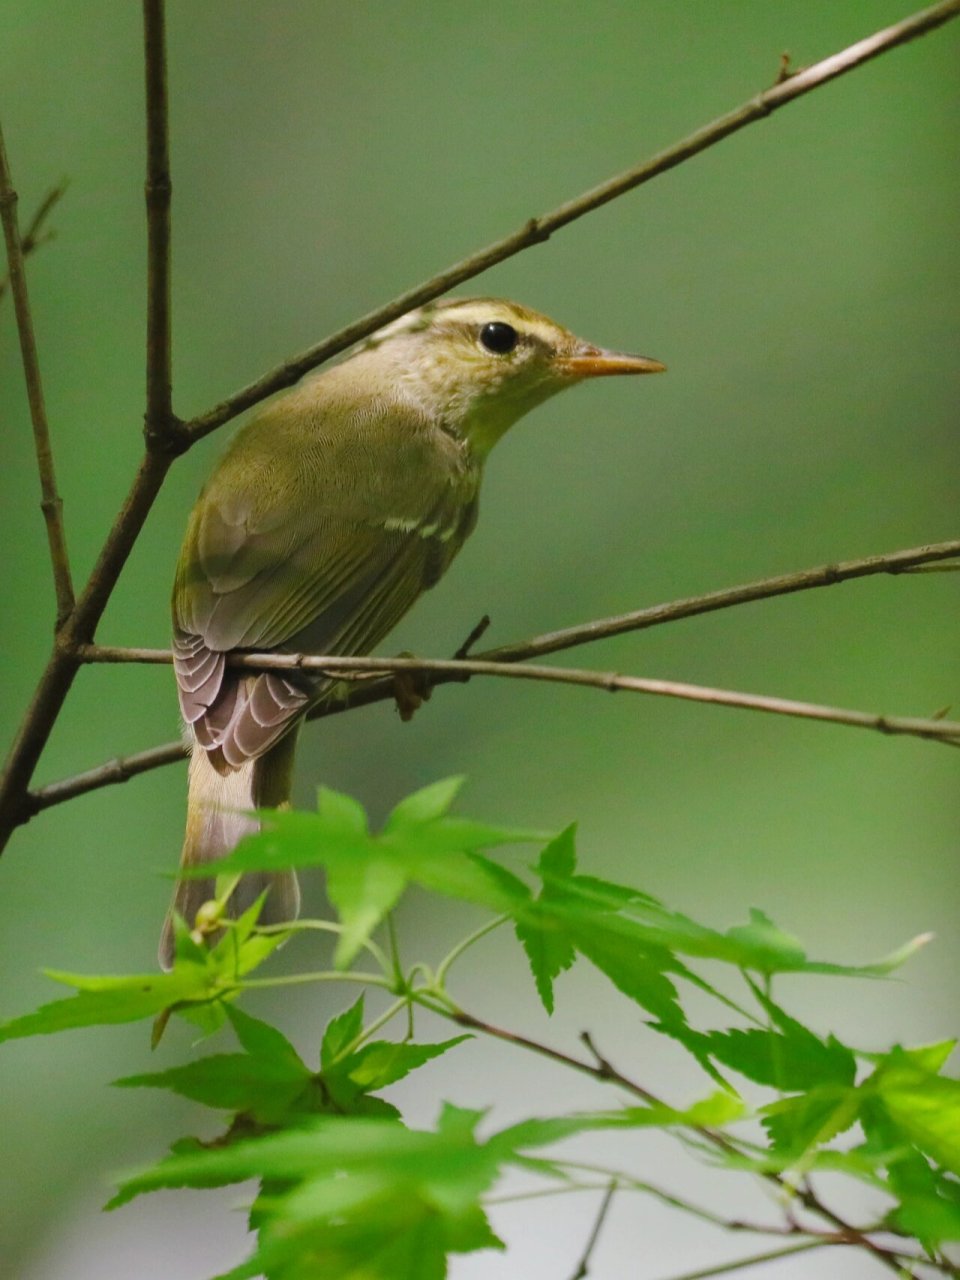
(828, 575)
(583, 1266)
(447, 670)
(754, 1260)
(51, 504)
(373, 690)
(539, 229)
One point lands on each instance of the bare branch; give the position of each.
(741, 1264)
(896, 562)
(363, 694)
(462, 669)
(120, 769)
(583, 1266)
(51, 504)
(538, 229)
(35, 236)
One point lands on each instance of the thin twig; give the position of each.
(583, 1266)
(537, 230)
(848, 1234)
(481, 627)
(119, 769)
(51, 503)
(35, 236)
(627, 1182)
(56, 680)
(897, 562)
(602, 1069)
(741, 1264)
(462, 669)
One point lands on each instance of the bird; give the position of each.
(332, 510)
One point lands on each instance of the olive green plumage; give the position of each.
(332, 510)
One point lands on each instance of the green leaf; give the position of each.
(796, 1125)
(634, 965)
(341, 812)
(367, 874)
(715, 1111)
(233, 1081)
(766, 946)
(426, 805)
(545, 938)
(261, 1039)
(103, 1000)
(792, 1059)
(340, 1032)
(349, 1076)
(267, 1083)
(929, 1205)
(931, 1218)
(928, 1057)
(383, 1062)
(926, 1108)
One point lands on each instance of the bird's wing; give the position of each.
(322, 550)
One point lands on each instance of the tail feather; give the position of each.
(217, 818)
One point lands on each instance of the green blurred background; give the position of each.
(801, 282)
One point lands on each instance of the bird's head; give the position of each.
(479, 364)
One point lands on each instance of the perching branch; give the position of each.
(367, 692)
(167, 436)
(35, 235)
(51, 504)
(539, 229)
(462, 669)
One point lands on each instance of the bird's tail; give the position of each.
(218, 816)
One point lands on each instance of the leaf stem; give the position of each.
(328, 926)
(324, 975)
(388, 1014)
(452, 956)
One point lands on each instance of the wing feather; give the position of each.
(311, 550)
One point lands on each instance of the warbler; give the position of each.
(332, 510)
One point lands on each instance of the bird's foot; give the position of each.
(411, 689)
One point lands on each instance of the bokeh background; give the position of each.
(801, 282)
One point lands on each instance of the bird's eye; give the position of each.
(498, 337)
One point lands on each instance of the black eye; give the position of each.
(498, 337)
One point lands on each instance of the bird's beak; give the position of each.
(586, 361)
